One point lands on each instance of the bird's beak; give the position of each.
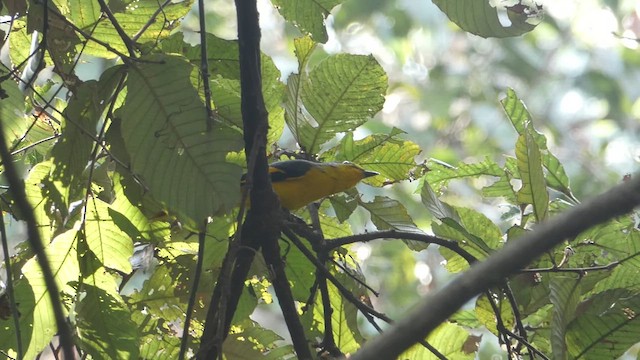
(368, 173)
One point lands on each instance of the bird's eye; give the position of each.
(346, 162)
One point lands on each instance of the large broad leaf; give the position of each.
(222, 57)
(605, 327)
(339, 95)
(440, 175)
(62, 256)
(479, 17)
(564, 296)
(112, 246)
(46, 198)
(307, 15)
(165, 132)
(487, 315)
(73, 150)
(105, 328)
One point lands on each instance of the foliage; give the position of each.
(122, 169)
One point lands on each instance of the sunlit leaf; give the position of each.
(338, 95)
(63, 259)
(449, 339)
(392, 157)
(104, 321)
(308, 16)
(487, 315)
(112, 246)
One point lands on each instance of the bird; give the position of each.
(300, 182)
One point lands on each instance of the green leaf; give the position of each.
(72, 152)
(534, 189)
(430, 200)
(521, 119)
(63, 258)
(164, 129)
(344, 318)
(487, 316)
(303, 48)
(332, 228)
(564, 295)
(135, 18)
(387, 214)
(344, 205)
(222, 56)
(83, 14)
(466, 318)
(449, 339)
(605, 326)
(339, 95)
(158, 296)
(479, 17)
(47, 198)
(501, 188)
(307, 15)
(300, 272)
(126, 216)
(104, 322)
(12, 109)
(112, 246)
(255, 342)
(439, 174)
(393, 158)
(473, 229)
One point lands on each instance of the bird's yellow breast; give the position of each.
(319, 181)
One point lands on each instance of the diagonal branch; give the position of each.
(437, 307)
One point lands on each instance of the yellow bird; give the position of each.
(300, 182)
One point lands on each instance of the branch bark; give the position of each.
(436, 308)
(263, 223)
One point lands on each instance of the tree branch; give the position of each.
(263, 222)
(437, 307)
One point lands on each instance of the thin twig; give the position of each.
(32, 145)
(204, 65)
(343, 290)
(366, 310)
(194, 292)
(395, 234)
